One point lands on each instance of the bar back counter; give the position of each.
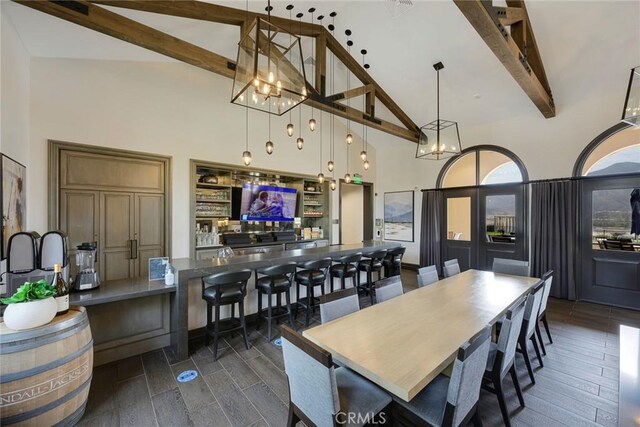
(130, 317)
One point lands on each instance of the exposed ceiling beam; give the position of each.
(522, 61)
(351, 93)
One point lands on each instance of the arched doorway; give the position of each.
(484, 207)
(609, 263)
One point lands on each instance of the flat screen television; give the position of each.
(267, 203)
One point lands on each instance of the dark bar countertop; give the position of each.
(118, 290)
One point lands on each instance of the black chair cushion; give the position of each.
(370, 266)
(280, 284)
(343, 270)
(230, 296)
(307, 277)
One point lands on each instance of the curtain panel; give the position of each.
(430, 229)
(554, 237)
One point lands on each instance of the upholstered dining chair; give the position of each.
(528, 330)
(427, 275)
(338, 304)
(388, 288)
(451, 268)
(542, 316)
(511, 266)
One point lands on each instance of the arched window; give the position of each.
(614, 152)
(482, 165)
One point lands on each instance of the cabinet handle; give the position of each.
(133, 249)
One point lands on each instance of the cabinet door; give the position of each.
(80, 219)
(116, 248)
(149, 230)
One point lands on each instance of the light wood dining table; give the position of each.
(404, 343)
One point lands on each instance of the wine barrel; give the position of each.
(45, 372)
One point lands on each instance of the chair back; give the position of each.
(286, 269)
(228, 280)
(548, 281)
(509, 333)
(451, 268)
(511, 266)
(349, 259)
(532, 309)
(396, 254)
(466, 378)
(316, 264)
(375, 256)
(312, 380)
(388, 288)
(427, 275)
(338, 304)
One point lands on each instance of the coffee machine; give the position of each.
(87, 276)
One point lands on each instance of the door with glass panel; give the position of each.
(459, 227)
(502, 232)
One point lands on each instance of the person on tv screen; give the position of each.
(277, 205)
(260, 206)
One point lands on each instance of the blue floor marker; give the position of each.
(277, 342)
(186, 376)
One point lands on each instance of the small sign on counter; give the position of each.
(157, 268)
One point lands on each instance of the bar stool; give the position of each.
(345, 268)
(218, 290)
(276, 280)
(392, 263)
(372, 263)
(314, 274)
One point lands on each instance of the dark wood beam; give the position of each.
(484, 18)
(510, 15)
(351, 93)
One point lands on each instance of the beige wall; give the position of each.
(351, 215)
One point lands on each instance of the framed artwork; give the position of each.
(14, 201)
(398, 216)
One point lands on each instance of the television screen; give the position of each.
(267, 203)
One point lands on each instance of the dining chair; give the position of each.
(451, 268)
(528, 329)
(542, 316)
(321, 394)
(338, 304)
(452, 401)
(392, 262)
(501, 360)
(345, 268)
(370, 263)
(388, 288)
(427, 275)
(511, 266)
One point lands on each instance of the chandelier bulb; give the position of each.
(347, 178)
(269, 147)
(312, 124)
(333, 185)
(349, 138)
(300, 143)
(330, 165)
(320, 177)
(246, 158)
(363, 155)
(290, 129)
(366, 165)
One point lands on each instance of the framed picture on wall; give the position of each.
(14, 202)
(398, 216)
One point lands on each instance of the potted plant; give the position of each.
(31, 306)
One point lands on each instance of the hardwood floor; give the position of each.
(578, 385)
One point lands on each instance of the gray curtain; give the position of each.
(554, 239)
(430, 229)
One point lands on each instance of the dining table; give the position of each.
(402, 344)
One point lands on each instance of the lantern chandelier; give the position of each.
(439, 139)
(269, 68)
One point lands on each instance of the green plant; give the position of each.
(31, 291)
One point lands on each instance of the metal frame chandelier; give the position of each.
(439, 139)
(269, 71)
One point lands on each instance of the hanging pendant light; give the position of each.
(366, 165)
(290, 129)
(300, 139)
(290, 125)
(330, 165)
(246, 154)
(349, 138)
(363, 155)
(347, 178)
(332, 151)
(312, 123)
(300, 143)
(269, 147)
(246, 157)
(333, 185)
(320, 177)
(439, 139)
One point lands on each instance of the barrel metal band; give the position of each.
(55, 335)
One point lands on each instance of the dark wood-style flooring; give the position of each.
(578, 385)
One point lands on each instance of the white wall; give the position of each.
(163, 108)
(352, 218)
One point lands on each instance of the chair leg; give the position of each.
(309, 301)
(243, 324)
(525, 354)
(342, 284)
(206, 330)
(546, 327)
(293, 418)
(259, 317)
(516, 383)
(477, 421)
(269, 317)
(370, 285)
(497, 385)
(216, 330)
(288, 300)
(537, 349)
(539, 335)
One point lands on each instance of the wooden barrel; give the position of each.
(45, 372)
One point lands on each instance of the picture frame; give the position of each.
(399, 216)
(157, 267)
(13, 177)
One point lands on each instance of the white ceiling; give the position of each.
(587, 48)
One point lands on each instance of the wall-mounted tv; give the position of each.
(267, 203)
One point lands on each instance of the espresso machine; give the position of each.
(87, 276)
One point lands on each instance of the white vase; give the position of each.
(27, 315)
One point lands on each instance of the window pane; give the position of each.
(459, 218)
(496, 168)
(618, 154)
(615, 216)
(462, 173)
(500, 218)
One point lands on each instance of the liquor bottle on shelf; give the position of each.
(62, 289)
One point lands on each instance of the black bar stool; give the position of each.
(345, 268)
(371, 263)
(314, 274)
(392, 263)
(218, 290)
(276, 280)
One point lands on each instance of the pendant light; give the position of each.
(330, 164)
(347, 177)
(290, 125)
(439, 139)
(363, 153)
(349, 137)
(312, 121)
(269, 145)
(333, 185)
(246, 154)
(300, 140)
(320, 174)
